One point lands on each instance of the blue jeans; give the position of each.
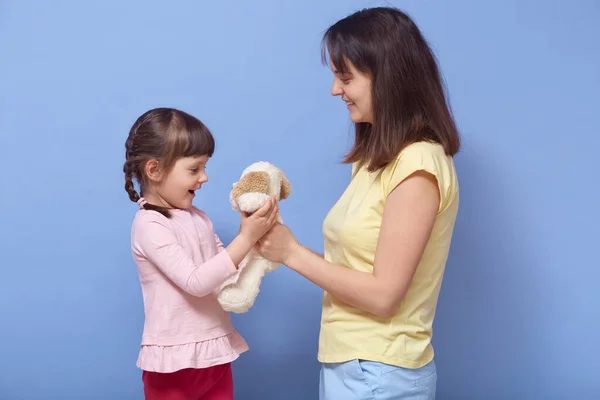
(368, 380)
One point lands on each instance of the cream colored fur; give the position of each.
(239, 292)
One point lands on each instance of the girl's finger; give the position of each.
(272, 219)
(274, 212)
(261, 212)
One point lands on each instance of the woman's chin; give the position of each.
(357, 117)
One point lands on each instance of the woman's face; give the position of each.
(355, 89)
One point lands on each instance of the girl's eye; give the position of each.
(195, 170)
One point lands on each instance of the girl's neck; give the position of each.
(156, 200)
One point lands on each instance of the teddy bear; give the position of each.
(257, 183)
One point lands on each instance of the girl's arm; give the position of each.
(155, 241)
(408, 219)
(239, 247)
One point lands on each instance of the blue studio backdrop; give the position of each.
(519, 312)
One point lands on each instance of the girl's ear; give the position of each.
(153, 171)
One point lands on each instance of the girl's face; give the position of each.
(355, 89)
(176, 189)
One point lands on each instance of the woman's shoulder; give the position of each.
(419, 155)
(412, 156)
(423, 148)
(422, 156)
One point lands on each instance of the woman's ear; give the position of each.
(153, 170)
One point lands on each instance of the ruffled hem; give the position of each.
(203, 354)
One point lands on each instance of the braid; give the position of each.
(129, 171)
(129, 166)
(129, 175)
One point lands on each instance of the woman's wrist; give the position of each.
(293, 254)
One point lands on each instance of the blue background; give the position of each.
(519, 313)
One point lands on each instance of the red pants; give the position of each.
(214, 383)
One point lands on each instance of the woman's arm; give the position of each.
(408, 219)
(316, 253)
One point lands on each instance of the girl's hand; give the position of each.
(278, 244)
(254, 226)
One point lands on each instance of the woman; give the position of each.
(388, 236)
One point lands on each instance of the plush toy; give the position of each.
(257, 183)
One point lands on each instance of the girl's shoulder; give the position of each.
(199, 214)
(148, 221)
(143, 218)
(197, 211)
(200, 217)
(144, 214)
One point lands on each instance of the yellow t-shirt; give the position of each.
(351, 231)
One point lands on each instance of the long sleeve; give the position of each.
(217, 239)
(155, 240)
(220, 245)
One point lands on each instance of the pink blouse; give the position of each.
(181, 264)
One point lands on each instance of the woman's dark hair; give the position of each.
(408, 99)
(163, 134)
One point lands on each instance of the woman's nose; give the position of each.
(336, 90)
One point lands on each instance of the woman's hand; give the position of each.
(254, 226)
(278, 244)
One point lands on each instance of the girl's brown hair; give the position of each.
(165, 135)
(408, 99)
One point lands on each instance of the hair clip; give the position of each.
(141, 202)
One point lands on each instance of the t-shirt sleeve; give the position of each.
(428, 157)
(154, 240)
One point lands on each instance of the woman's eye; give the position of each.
(346, 79)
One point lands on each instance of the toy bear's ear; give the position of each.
(286, 187)
(252, 182)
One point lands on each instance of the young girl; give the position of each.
(387, 238)
(188, 340)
